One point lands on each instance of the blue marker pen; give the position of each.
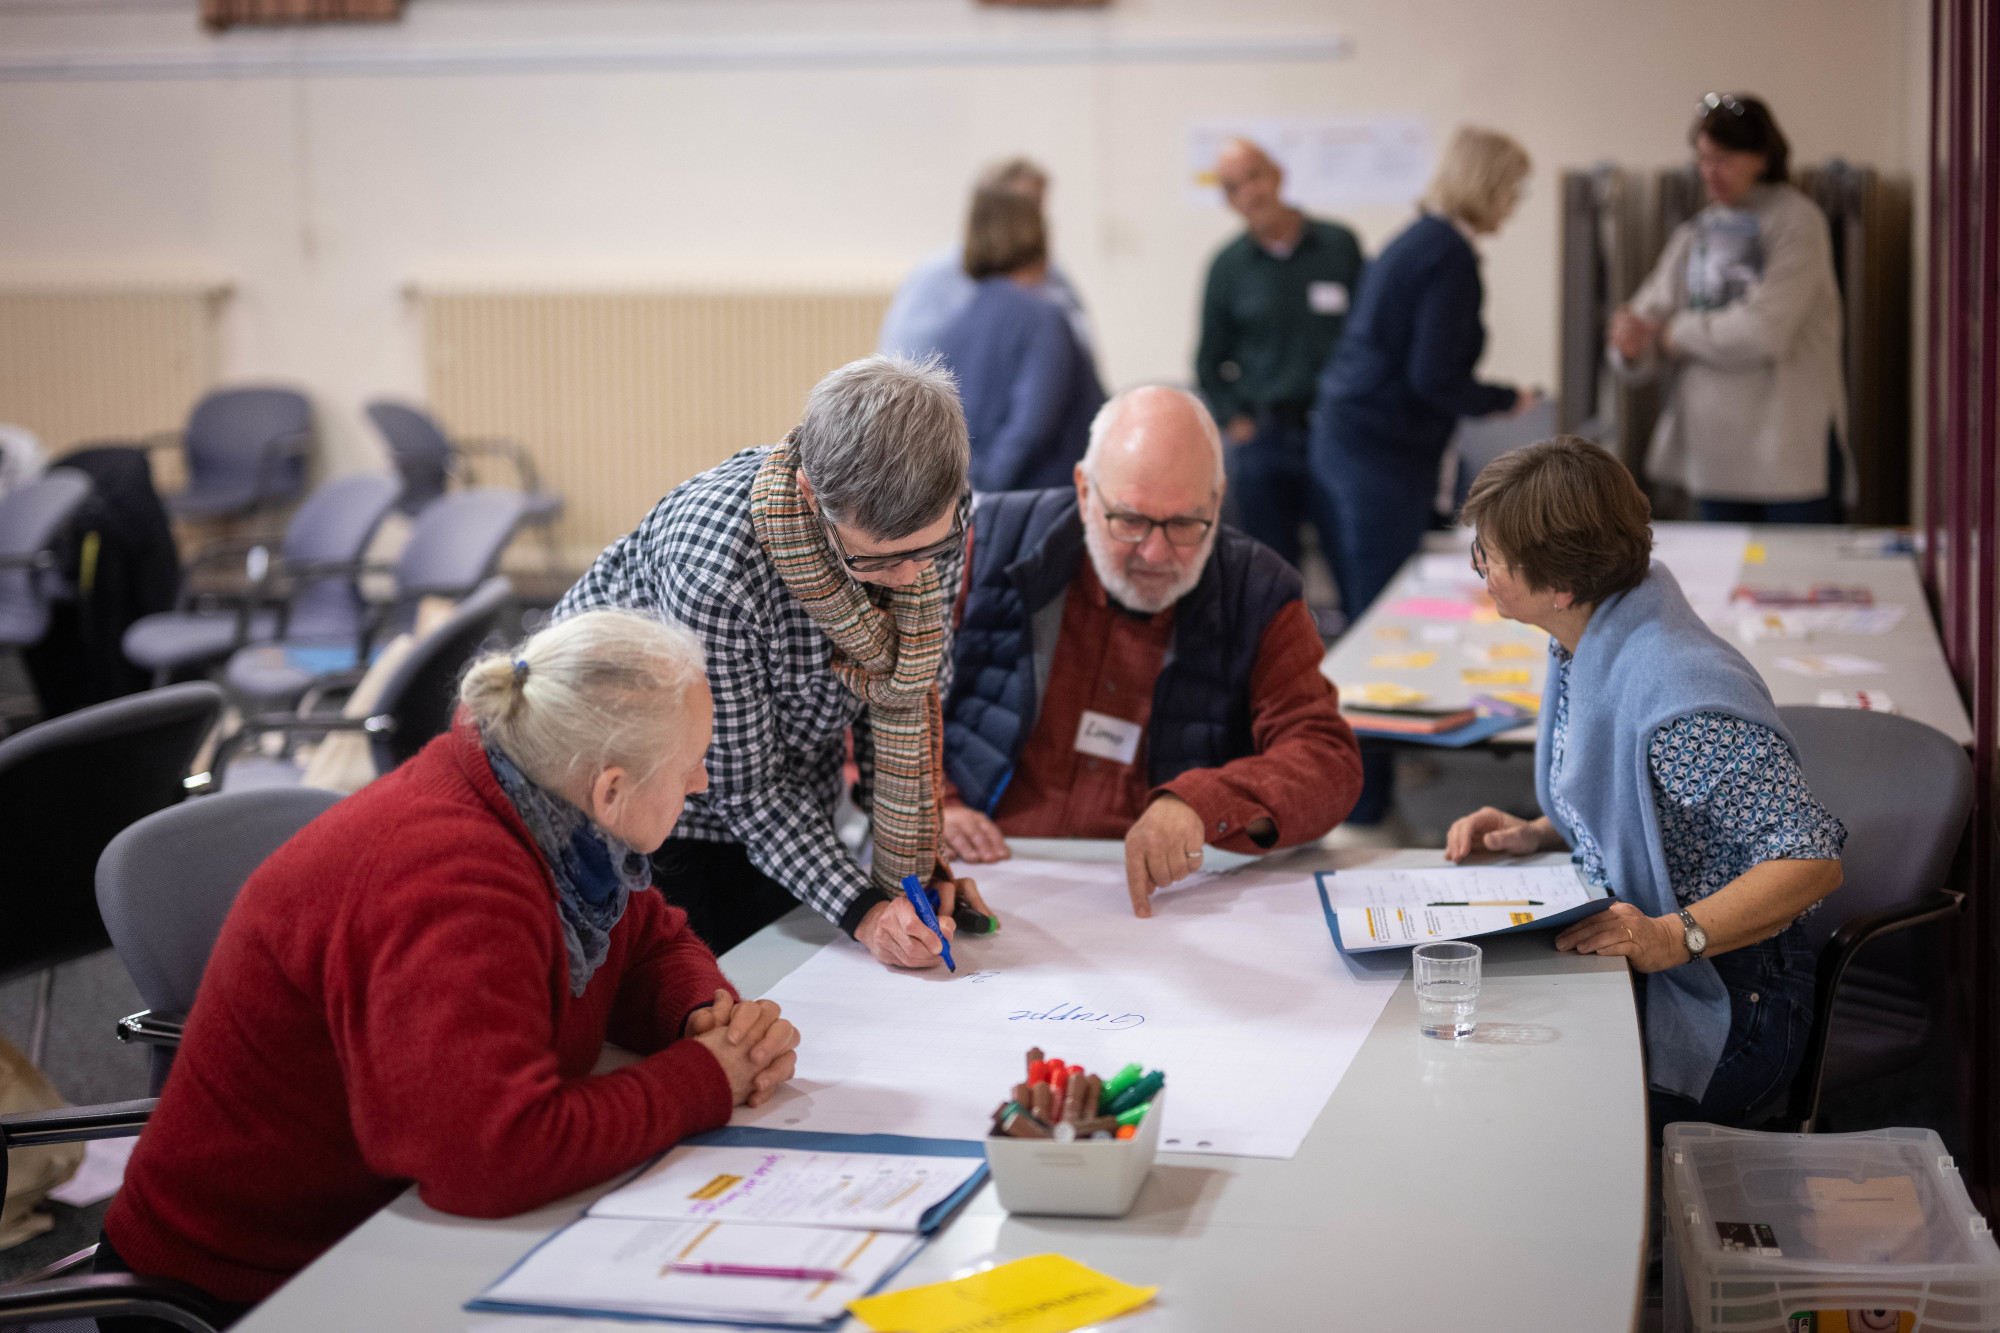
(920, 898)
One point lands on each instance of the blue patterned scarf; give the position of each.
(595, 873)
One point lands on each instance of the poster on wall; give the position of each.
(1329, 161)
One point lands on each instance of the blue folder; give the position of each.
(1562, 918)
(755, 1136)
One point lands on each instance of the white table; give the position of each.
(1796, 557)
(1494, 1183)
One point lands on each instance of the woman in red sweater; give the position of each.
(417, 986)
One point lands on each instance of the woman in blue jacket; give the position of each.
(1401, 375)
(1028, 385)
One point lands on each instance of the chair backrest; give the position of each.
(420, 448)
(31, 518)
(423, 692)
(334, 527)
(456, 542)
(230, 430)
(70, 785)
(165, 884)
(1902, 789)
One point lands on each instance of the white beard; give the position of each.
(1108, 559)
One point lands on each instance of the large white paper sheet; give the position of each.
(1707, 561)
(1232, 987)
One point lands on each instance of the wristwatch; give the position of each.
(1693, 936)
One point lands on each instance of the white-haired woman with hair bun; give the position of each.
(418, 986)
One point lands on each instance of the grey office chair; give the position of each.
(319, 573)
(68, 786)
(246, 449)
(430, 460)
(31, 519)
(453, 547)
(164, 885)
(1904, 791)
(416, 703)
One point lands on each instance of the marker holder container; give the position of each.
(1086, 1178)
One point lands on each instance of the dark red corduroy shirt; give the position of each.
(389, 1002)
(1304, 777)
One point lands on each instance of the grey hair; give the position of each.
(599, 689)
(1107, 415)
(884, 444)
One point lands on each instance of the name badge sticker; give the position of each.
(1108, 737)
(1327, 298)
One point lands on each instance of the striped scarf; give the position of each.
(888, 657)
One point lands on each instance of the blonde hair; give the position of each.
(1479, 177)
(600, 689)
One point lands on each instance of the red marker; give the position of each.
(1038, 1072)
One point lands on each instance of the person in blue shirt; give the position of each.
(1399, 380)
(938, 288)
(1666, 771)
(1028, 385)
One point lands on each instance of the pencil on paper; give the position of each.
(757, 1270)
(1493, 902)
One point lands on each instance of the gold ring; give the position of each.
(1630, 936)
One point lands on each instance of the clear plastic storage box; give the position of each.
(1822, 1233)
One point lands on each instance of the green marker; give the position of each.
(1135, 1115)
(972, 921)
(1117, 1083)
(1138, 1094)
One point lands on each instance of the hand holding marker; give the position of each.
(1063, 1103)
(963, 914)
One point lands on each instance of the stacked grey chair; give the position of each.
(320, 570)
(246, 450)
(429, 460)
(31, 519)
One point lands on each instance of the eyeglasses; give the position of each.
(1482, 563)
(1125, 526)
(875, 564)
(1713, 102)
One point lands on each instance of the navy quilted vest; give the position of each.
(1025, 549)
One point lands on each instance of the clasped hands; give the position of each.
(1632, 334)
(1163, 845)
(755, 1047)
(1648, 943)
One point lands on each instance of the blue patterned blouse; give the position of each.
(1728, 793)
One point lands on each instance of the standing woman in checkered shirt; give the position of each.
(818, 573)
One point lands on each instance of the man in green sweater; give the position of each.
(1277, 297)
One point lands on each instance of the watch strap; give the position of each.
(1690, 928)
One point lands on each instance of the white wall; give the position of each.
(743, 137)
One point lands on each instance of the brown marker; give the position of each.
(1035, 1057)
(1072, 1109)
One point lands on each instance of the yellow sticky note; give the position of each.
(1519, 652)
(1753, 554)
(1392, 633)
(1520, 698)
(1493, 676)
(1383, 694)
(1402, 661)
(1485, 615)
(1045, 1293)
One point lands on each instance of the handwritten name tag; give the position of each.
(1106, 737)
(1327, 298)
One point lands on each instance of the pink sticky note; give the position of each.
(1433, 608)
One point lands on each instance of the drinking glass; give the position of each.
(1447, 975)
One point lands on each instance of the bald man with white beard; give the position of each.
(1165, 690)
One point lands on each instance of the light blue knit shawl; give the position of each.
(1645, 659)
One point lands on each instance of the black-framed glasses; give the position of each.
(1183, 530)
(1482, 564)
(875, 564)
(1713, 102)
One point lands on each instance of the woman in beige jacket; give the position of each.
(1741, 319)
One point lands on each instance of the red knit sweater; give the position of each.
(389, 1002)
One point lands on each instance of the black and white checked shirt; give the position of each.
(781, 715)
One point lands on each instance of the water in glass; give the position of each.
(1445, 1008)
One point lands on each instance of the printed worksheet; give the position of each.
(628, 1266)
(1231, 987)
(1392, 908)
(869, 1191)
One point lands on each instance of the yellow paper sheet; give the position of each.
(1501, 676)
(1520, 698)
(1519, 652)
(1045, 1293)
(1402, 661)
(1392, 633)
(1382, 694)
(1753, 554)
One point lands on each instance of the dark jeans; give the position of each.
(726, 898)
(1825, 509)
(110, 1261)
(1272, 490)
(1770, 1015)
